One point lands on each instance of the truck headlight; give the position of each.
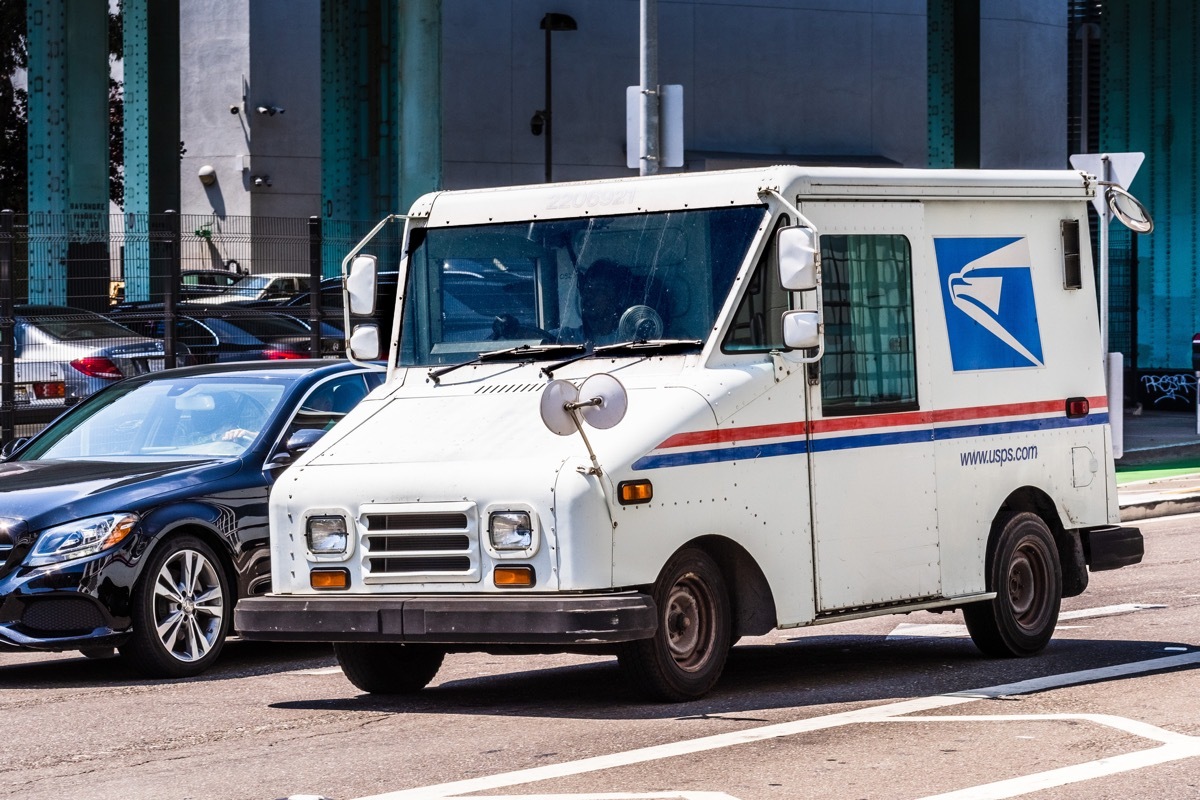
(81, 538)
(510, 530)
(327, 536)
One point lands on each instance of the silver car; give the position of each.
(64, 354)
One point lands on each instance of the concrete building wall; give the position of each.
(1023, 84)
(763, 81)
(244, 54)
(774, 78)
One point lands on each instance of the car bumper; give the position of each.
(1111, 547)
(441, 619)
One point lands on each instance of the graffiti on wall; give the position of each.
(1173, 390)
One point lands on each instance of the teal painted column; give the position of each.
(940, 67)
(136, 46)
(420, 99)
(48, 200)
(151, 47)
(1151, 91)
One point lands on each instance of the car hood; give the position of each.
(47, 492)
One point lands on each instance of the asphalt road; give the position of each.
(897, 707)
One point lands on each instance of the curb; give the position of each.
(1159, 507)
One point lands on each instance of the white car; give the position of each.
(265, 287)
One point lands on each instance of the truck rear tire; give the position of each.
(685, 657)
(388, 668)
(1024, 571)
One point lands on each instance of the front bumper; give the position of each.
(449, 619)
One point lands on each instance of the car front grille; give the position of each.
(62, 616)
(420, 544)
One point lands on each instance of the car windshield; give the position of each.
(202, 416)
(251, 284)
(590, 281)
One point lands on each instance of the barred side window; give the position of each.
(869, 365)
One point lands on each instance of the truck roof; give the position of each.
(742, 187)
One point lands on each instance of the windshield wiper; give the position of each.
(634, 347)
(519, 353)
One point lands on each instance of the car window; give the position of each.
(327, 403)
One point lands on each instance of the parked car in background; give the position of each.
(332, 313)
(206, 282)
(230, 333)
(193, 283)
(64, 354)
(137, 519)
(265, 287)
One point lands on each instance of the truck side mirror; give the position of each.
(360, 285)
(797, 250)
(364, 342)
(802, 330)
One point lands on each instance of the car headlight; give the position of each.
(81, 538)
(327, 535)
(510, 530)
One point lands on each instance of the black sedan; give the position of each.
(137, 519)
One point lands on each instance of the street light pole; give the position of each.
(649, 79)
(550, 23)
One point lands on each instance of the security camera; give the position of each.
(270, 110)
(261, 180)
(538, 123)
(263, 110)
(276, 110)
(233, 109)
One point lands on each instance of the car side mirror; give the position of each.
(296, 445)
(11, 447)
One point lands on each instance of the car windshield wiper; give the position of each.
(521, 353)
(634, 347)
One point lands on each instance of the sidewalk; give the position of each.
(1159, 473)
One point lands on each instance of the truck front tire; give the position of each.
(685, 657)
(389, 668)
(1024, 571)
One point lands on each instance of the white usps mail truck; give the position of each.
(650, 416)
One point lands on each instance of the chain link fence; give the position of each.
(86, 299)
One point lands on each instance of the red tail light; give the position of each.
(1077, 407)
(47, 391)
(276, 355)
(97, 367)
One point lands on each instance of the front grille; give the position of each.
(62, 615)
(419, 544)
(422, 564)
(405, 544)
(415, 522)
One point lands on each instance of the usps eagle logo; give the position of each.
(987, 296)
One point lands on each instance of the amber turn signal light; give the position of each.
(513, 576)
(633, 492)
(329, 579)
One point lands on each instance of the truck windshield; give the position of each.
(591, 281)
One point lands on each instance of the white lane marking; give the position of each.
(318, 671)
(1174, 747)
(933, 630)
(1108, 611)
(609, 796)
(938, 630)
(750, 735)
